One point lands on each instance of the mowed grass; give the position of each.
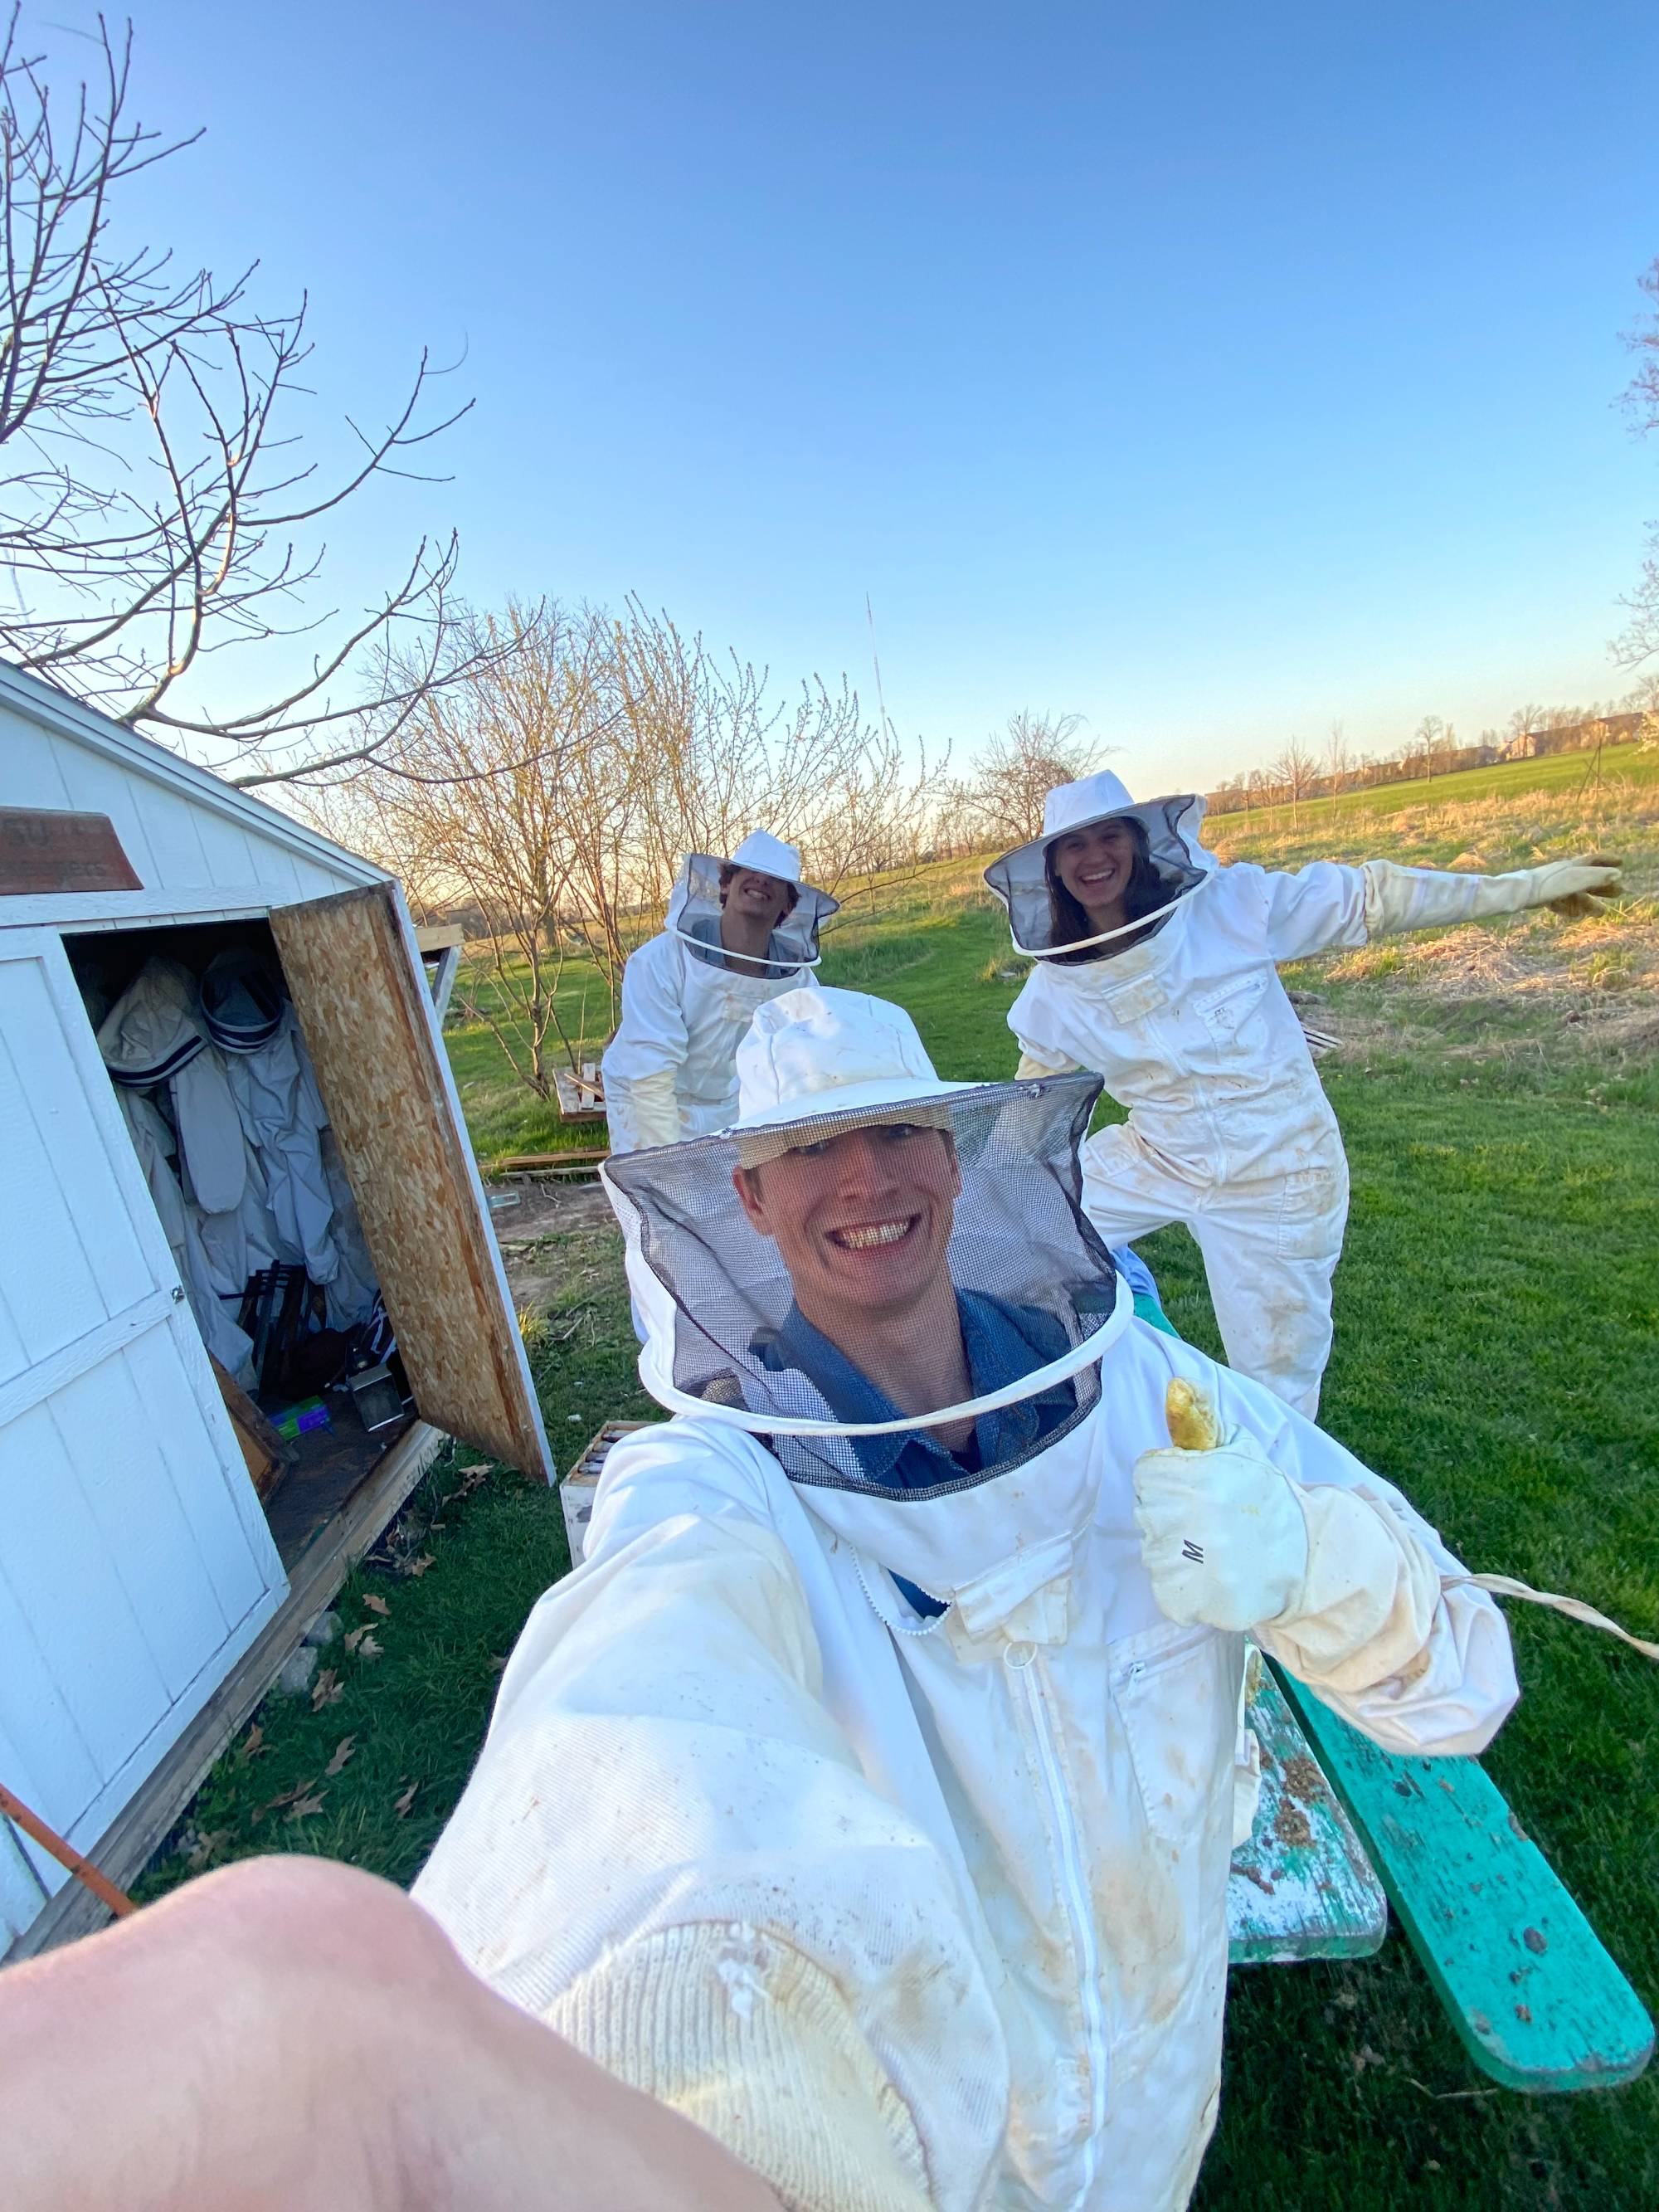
(1496, 1312)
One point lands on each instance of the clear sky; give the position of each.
(1211, 372)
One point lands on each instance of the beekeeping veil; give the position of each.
(694, 910)
(731, 1329)
(1021, 878)
(155, 1033)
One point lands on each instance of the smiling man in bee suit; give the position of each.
(737, 932)
(866, 1795)
(1157, 968)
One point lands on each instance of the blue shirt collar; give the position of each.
(1002, 1341)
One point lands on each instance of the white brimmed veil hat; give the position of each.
(1020, 878)
(694, 907)
(716, 1298)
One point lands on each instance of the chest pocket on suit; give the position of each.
(1133, 1003)
(1177, 1702)
(1236, 1018)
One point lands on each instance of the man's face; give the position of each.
(757, 898)
(862, 1221)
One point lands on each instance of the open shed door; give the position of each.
(355, 977)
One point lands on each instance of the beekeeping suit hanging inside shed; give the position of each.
(867, 1793)
(737, 932)
(1156, 968)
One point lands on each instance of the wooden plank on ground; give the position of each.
(1537, 2000)
(126, 1846)
(1302, 1887)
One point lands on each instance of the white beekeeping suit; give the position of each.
(154, 1039)
(270, 1078)
(866, 1793)
(153, 1142)
(669, 1071)
(1179, 1008)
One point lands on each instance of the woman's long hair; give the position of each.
(1068, 918)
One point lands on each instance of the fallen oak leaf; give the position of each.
(252, 1744)
(343, 1751)
(377, 1605)
(400, 1805)
(286, 1797)
(306, 1807)
(328, 1690)
(205, 1848)
(419, 1566)
(364, 1642)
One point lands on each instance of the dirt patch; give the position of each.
(1290, 1825)
(536, 1270)
(1303, 1779)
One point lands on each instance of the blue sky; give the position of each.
(1210, 372)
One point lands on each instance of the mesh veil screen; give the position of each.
(800, 1323)
(1020, 880)
(694, 912)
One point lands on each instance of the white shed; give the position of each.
(148, 1594)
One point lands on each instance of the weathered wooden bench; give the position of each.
(1344, 1829)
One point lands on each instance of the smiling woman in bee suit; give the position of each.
(737, 932)
(1156, 968)
(865, 1795)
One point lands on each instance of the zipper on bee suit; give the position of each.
(1023, 1660)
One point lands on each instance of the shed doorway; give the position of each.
(280, 1076)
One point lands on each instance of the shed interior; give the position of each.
(219, 1095)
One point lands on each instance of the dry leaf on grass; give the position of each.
(306, 1807)
(377, 1605)
(343, 1751)
(205, 1848)
(419, 1566)
(252, 1744)
(327, 1690)
(286, 1797)
(400, 1805)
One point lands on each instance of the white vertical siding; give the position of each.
(135, 1562)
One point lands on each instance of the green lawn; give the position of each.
(1497, 1311)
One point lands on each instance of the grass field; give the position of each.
(1497, 1313)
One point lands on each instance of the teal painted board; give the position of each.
(1538, 2002)
(1302, 1887)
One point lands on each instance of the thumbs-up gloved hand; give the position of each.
(1222, 1534)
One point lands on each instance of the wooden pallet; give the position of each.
(582, 1098)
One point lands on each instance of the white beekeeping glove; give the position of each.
(1399, 898)
(1222, 1533)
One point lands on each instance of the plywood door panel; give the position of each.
(356, 975)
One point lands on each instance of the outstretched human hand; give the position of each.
(290, 2034)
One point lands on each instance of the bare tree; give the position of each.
(155, 512)
(1296, 770)
(1639, 640)
(1339, 759)
(550, 793)
(1427, 739)
(1000, 801)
